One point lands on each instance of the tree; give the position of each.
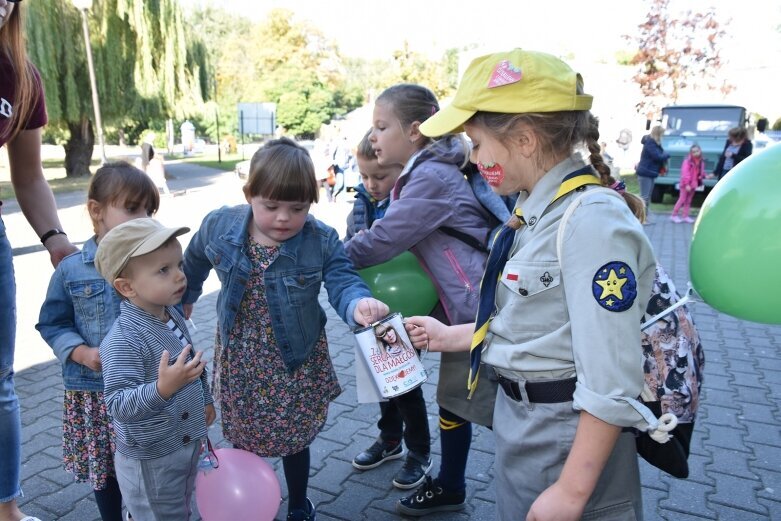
(147, 67)
(674, 50)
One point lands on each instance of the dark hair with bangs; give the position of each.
(122, 183)
(282, 170)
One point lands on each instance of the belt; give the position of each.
(549, 391)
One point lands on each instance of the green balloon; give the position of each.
(402, 284)
(735, 255)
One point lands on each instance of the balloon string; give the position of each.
(684, 300)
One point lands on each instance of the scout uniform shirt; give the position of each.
(578, 315)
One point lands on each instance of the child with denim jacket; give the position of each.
(273, 374)
(403, 416)
(78, 312)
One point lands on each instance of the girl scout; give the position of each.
(562, 332)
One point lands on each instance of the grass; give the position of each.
(54, 172)
(209, 160)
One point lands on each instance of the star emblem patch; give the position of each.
(614, 286)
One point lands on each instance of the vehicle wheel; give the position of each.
(658, 193)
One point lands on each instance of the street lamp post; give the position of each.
(84, 6)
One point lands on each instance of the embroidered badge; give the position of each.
(546, 279)
(504, 73)
(614, 286)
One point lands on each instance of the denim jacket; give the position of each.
(312, 257)
(80, 308)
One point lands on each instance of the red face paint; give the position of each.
(492, 173)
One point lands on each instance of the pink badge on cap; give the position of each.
(504, 73)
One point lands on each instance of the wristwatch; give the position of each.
(51, 233)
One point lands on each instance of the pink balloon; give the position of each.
(244, 486)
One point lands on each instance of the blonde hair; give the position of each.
(656, 134)
(27, 86)
(364, 149)
(559, 134)
(282, 170)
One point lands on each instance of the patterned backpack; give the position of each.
(673, 361)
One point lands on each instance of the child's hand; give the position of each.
(211, 414)
(87, 356)
(172, 378)
(426, 333)
(556, 504)
(369, 310)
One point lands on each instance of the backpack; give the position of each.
(673, 360)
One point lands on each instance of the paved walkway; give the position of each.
(736, 451)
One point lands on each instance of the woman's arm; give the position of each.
(33, 192)
(567, 497)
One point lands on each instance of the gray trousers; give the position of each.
(159, 489)
(646, 187)
(532, 444)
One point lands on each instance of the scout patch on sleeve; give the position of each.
(614, 286)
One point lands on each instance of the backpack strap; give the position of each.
(569, 211)
(465, 238)
(666, 422)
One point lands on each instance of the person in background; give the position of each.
(22, 115)
(737, 148)
(692, 175)
(403, 416)
(561, 330)
(79, 310)
(652, 164)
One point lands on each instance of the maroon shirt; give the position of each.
(38, 117)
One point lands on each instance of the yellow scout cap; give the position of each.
(514, 82)
(131, 239)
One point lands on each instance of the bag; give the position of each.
(673, 361)
(663, 169)
(672, 364)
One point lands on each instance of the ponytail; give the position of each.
(635, 204)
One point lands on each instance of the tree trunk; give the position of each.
(78, 149)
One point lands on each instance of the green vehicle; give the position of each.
(685, 125)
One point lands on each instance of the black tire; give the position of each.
(658, 193)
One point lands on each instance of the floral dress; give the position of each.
(87, 438)
(265, 409)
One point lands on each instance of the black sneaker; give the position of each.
(430, 498)
(310, 514)
(413, 472)
(378, 454)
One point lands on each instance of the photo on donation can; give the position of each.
(385, 351)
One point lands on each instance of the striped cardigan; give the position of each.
(146, 425)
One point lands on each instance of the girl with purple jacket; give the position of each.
(435, 215)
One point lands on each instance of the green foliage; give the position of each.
(289, 62)
(148, 66)
(777, 124)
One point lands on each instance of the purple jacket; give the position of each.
(431, 195)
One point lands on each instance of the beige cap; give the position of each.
(131, 239)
